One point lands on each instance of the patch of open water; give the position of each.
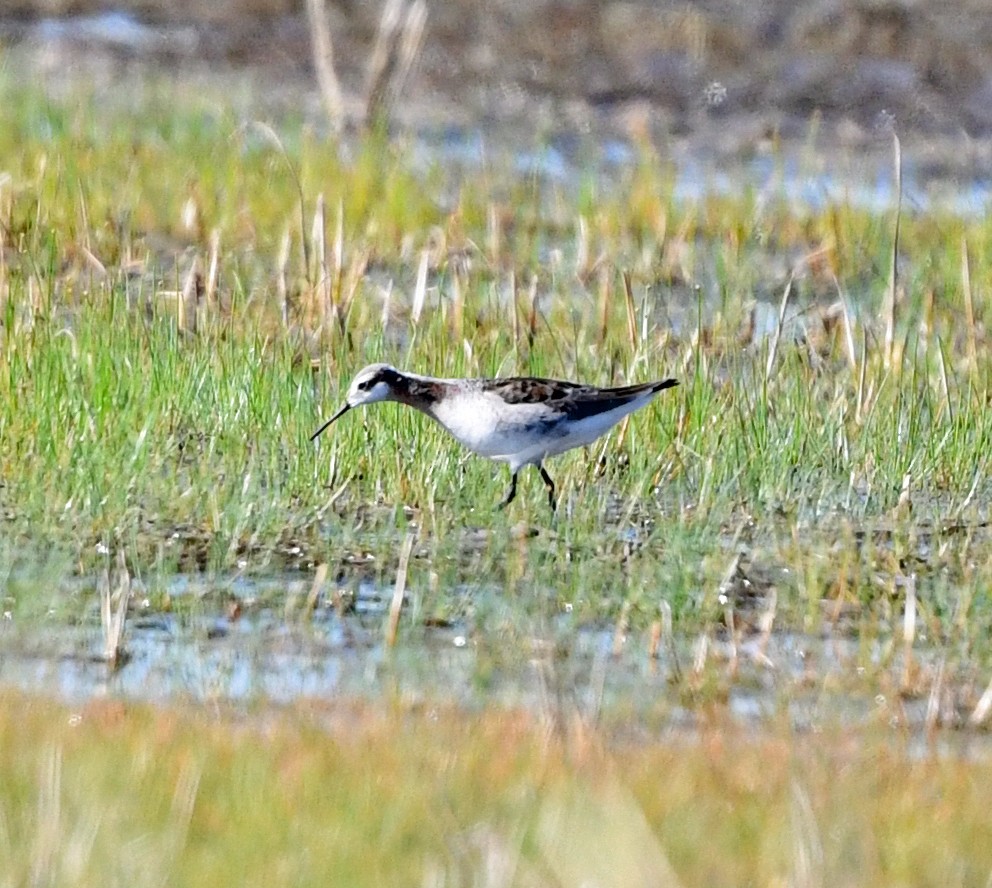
(264, 653)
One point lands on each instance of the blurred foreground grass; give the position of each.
(345, 794)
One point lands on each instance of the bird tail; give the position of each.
(641, 388)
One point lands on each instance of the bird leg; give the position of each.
(511, 493)
(550, 485)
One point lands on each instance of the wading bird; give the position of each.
(520, 421)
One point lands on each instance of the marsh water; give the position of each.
(244, 639)
(261, 645)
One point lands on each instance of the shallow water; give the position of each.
(261, 653)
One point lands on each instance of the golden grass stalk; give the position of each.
(319, 579)
(399, 589)
(420, 288)
(654, 642)
(628, 292)
(323, 62)
(620, 629)
(190, 299)
(604, 302)
(945, 388)
(457, 316)
(700, 654)
(782, 308)
(272, 137)
(387, 304)
(413, 38)
(514, 310)
(351, 281)
(932, 718)
(581, 248)
(909, 633)
(983, 707)
(969, 307)
(846, 317)
(494, 234)
(893, 286)
(338, 257)
(668, 636)
(113, 613)
(398, 41)
(859, 413)
(282, 286)
(318, 237)
(532, 313)
(213, 270)
(766, 623)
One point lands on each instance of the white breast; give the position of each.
(487, 425)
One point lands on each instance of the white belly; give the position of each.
(521, 434)
(489, 426)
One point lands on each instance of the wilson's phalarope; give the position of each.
(520, 420)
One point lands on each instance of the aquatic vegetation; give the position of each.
(802, 524)
(183, 296)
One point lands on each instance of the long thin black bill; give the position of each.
(337, 415)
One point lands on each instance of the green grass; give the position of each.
(131, 421)
(808, 482)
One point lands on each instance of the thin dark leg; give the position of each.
(550, 485)
(511, 493)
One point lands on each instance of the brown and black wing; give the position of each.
(530, 390)
(576, 401)
(604, 400)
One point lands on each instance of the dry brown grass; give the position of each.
(350, 793)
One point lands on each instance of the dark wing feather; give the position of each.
(577, 401)
(529, 390)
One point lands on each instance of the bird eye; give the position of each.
(364, 385)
